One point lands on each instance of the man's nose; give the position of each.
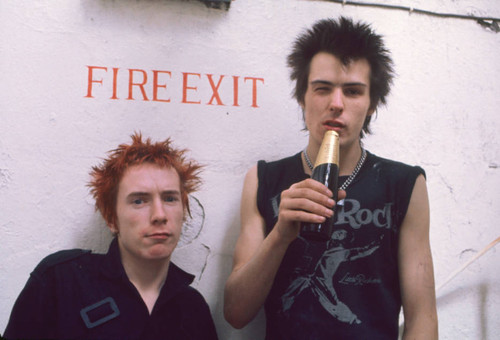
(158, 215)
(337, 100)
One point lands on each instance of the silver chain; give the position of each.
(351, 176)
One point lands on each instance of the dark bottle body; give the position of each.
(326, 171)
(328, 174)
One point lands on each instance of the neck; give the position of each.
(148, 277)
(348, 157)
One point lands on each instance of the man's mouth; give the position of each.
(332, 124)
(159, 236)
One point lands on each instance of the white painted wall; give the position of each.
(443, 115)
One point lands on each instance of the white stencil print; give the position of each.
(320, 281)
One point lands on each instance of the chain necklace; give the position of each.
(351, 176)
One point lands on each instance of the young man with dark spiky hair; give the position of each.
(378, 258)
(133, 291)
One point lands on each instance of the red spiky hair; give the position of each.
(107, 176)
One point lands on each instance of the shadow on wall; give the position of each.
(256, 328)
(458, 294)
(189, 254)
(127, 10)
(483, 293)
(94, 235)
(194, 222)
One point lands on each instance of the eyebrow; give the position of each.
(141, 193)
(326, 82)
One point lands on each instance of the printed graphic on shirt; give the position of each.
(319, 281)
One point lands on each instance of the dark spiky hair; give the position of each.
(348, 41)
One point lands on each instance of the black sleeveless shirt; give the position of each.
(348, 287)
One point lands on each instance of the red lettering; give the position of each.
(115, 81)
(235, 91)
(161, 87)
(215, 90)
(131, 83)
(156, 86)
(254, 89)
(185, 87)
(91, 79)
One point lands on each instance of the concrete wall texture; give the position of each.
(443, 114)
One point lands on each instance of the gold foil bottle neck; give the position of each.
(329, 149)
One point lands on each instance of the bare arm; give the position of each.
(416, 269)
(257, 257)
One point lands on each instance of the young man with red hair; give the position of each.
(133, 291)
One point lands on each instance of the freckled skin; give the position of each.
(149, 213)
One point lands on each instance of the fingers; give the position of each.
(314, 185)
(341, 195)
(315, 213)
(307, 201)
(303, 205)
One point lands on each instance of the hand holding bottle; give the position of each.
(326, 171)
(308, 201)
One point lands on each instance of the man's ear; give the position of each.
(373, 107)
(371, 110)
(113, 227)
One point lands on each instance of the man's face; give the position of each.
(149, 212)
(337, 98)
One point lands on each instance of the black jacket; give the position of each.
(74, 294)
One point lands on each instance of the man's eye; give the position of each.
(352, 92)
(171, 199)
(322, 89)
(138, 201)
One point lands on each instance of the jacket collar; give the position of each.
(177, 280)
(111, 266)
